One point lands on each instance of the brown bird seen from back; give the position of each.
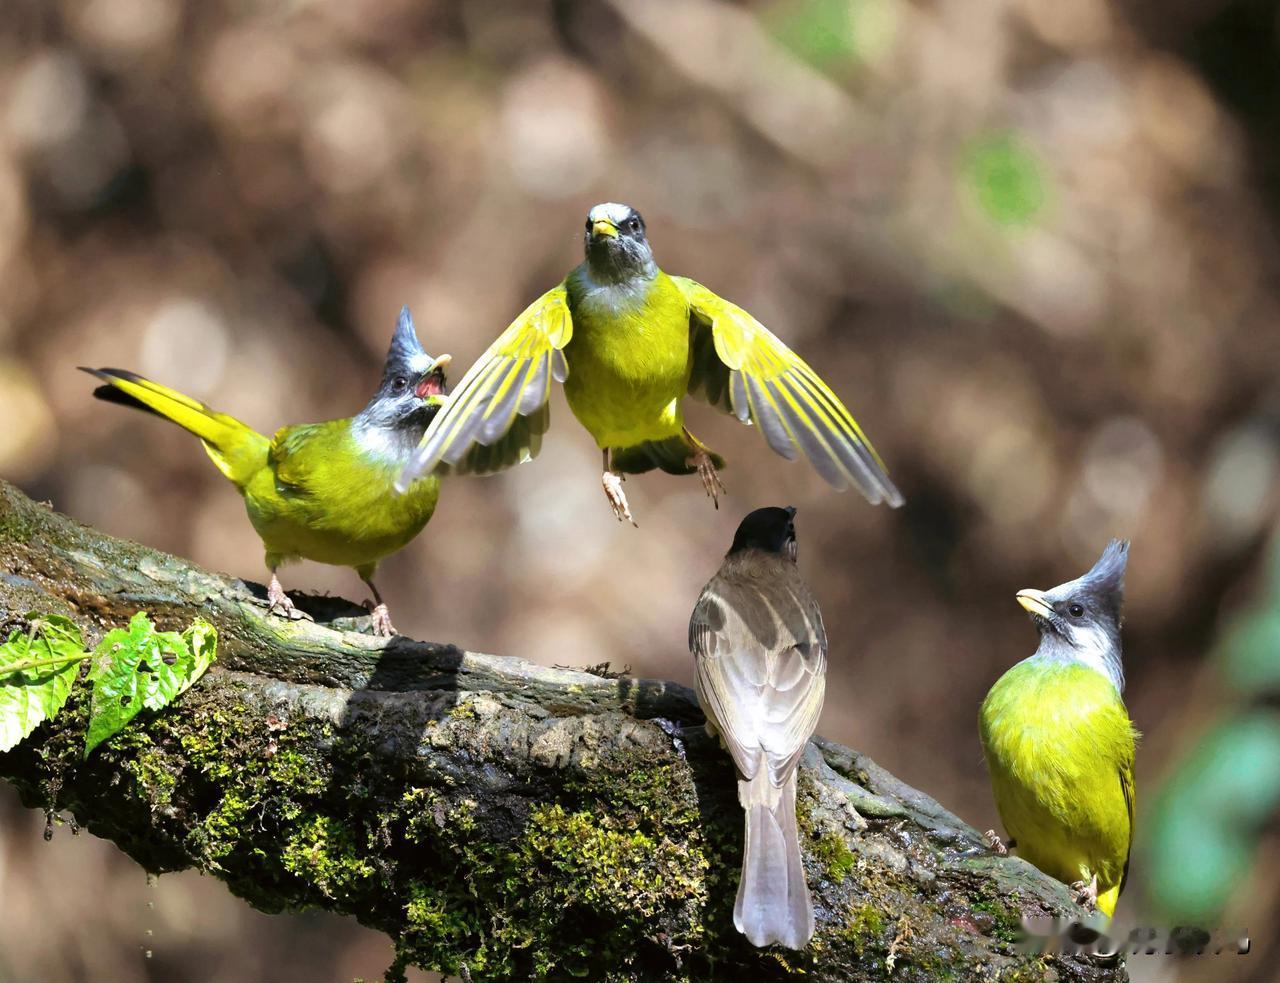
(760, 655)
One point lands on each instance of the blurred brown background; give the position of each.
(1031, 243)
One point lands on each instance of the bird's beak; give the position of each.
(603, 227)
(432, 383)
(1034, 603)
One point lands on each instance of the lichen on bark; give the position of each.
(518, 820)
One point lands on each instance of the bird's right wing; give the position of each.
(1126, 787)
(764, 699)
(496, 415)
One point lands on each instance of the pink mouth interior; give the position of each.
(432, 385)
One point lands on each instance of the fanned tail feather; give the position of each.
(237, 449)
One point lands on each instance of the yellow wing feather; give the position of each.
(742, 367)
(497, 414)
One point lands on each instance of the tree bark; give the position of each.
(487, 812)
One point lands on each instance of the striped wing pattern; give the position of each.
(497, 414)
(742, 367)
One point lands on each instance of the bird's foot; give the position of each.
(1087, 893)
(674, 731)
(279, 602)
(711, 482)
(380, 618)
(617, 497)
(995, 843)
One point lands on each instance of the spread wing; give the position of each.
(760, 658)
(497, 414)
(742, 368)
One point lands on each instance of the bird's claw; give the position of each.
(280, 602)
(380, 618)
(711, 482)
(617, 497)
(995, 843)
(674, 731)
(1087, 893)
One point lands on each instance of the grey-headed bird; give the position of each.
(1058, 739)
(760, 655)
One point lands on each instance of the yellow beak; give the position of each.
(442, 362)
(603, 227)
(1033, 602)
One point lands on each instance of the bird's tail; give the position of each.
(673, 455)
(773, 900)
(237, 449)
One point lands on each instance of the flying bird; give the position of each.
(629, 342)
(1058, 740)
(323, 491)
(760, 657)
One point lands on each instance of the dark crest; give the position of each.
(406, 354)
(1104, 583)
(772, 530)
(409, 376)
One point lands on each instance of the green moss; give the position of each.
(1032, 971)
(835, 855)
(1007, 926)
(434, 923)
(152, 769)
(463, 710)
(863, 928)
(589, 881)
(587, 858)
(323, 851)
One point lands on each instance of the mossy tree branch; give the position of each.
(484, 811)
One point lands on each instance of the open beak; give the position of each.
(1034, 603)
(603, 227)
(432, 384)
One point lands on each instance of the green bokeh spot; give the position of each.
(1202, 833)
(830, 34)
(1006, 177)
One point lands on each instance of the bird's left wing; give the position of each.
(742, 368)
(496, 415)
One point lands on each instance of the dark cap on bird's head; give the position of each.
(616, 245)
(1083, 616)
(410, 380)
(771, 530)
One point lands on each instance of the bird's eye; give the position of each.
(588, 225)
(398, 383)
(633, 224)
(1075, 610)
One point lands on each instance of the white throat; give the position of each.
(1088, 645)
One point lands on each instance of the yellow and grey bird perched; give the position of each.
(323, 491)
(629, 342)
(1058, 740)
(760, 657)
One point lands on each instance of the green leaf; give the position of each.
(37, 668)
(202, 642)
(138, 668)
